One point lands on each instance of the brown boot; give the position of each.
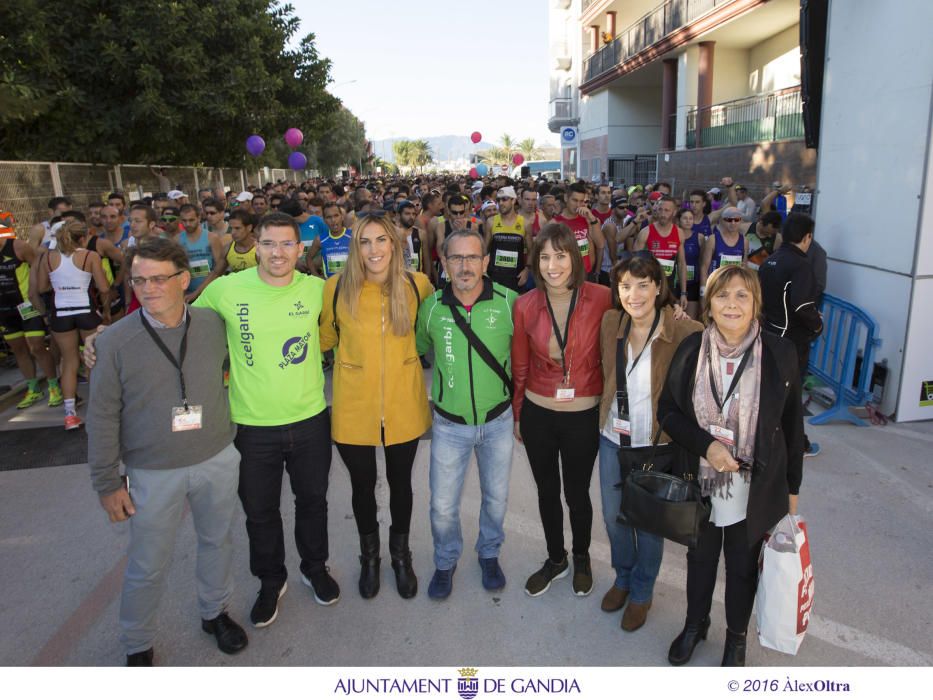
(614, 599)
(635, 616)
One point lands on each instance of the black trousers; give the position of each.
(741, 574)
(303, 449)
(562, 443)
(361, 463)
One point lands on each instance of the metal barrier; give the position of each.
(847, 329)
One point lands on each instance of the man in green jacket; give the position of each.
(472, 411)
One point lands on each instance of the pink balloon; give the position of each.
(476, 137)
(473, 173)
(518, 159)
(294, 137)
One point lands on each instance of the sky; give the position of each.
(420, 68)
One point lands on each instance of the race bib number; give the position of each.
(507, 258)
(26, 311)
(667, 266)
(336, 262)
(200, 267)
(415, 262)
(725, 260)
(186, 418)
(584, 244)
(691, 273)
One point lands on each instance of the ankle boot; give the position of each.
(405, 579)
(369, 564)
(682, 647)
(734, 652)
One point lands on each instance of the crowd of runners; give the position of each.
(585, 321)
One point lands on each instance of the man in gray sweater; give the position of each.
(158, 404)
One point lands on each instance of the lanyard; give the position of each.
(171, 358)
(562, 339)
(621, 374)
(735, 378)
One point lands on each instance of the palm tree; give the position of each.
(528, 149)
(421, 153)
(507, 143)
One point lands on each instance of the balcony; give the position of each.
(650, 29)
(562, 113)
(772, 117)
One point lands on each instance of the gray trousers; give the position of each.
(159, 496)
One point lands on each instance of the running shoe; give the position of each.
(813, 450)
(29, 399)
(73, 422)
(55, 396)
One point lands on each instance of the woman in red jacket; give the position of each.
(557, 375)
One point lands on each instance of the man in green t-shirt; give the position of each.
(277, 401)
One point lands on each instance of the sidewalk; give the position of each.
(868, 499)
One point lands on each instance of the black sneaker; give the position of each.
(582, 575)
(140, 658)
(325, 589)
(266, 607)
(541, 579)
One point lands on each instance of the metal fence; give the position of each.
(648, 30)
(771, 117)
(26, 187)
(633, 170)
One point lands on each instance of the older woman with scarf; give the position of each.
(732, 402)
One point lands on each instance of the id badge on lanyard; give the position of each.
(565, 390)
(622, 426)
(186, 418)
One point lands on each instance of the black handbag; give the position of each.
(665, 505)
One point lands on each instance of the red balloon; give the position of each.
(518, 159)
(473, 173)
(476, 137)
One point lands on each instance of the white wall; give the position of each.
(687, 72)
(634, 120)
(874, 140)
(730, 74)
(594, 114)
(774, 64)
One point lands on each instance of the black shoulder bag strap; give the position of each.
(481, 348)
(411, 281)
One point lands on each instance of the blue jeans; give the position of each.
(451, 446)
(636, 554)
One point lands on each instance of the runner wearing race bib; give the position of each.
(203, 249)
(725, 247)
(582, 223)
(506, 242)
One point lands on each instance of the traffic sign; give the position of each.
(568, 135)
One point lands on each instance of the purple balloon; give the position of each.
(255, 145)
(297, 161)
(294, 137)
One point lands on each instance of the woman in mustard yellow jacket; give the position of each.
(379, 391)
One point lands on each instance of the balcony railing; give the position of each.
(772, 117)
(648, 30)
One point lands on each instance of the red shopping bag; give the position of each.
(784, 600)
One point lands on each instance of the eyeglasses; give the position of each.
(457, 212)
(157, 280)
(733, 220)
(464, 259)
(168, 219)
(272, 245)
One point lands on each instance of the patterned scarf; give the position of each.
(743, 411)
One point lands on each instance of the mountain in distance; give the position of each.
(444, 148)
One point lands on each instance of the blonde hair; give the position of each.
(70, 235)
(396, 287)
(720, 278)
